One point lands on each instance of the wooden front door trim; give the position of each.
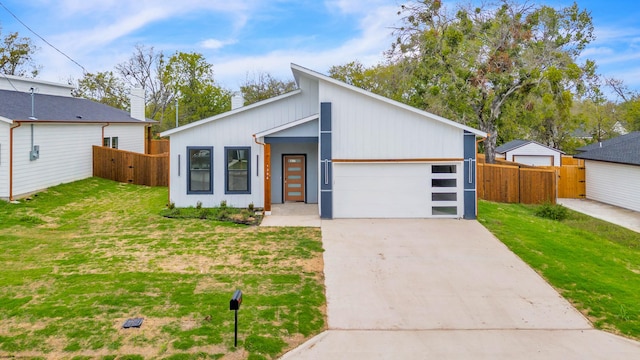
(294, 174)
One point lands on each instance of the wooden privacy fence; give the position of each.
(571, 182)
(158, 146)
(131, 167)
(513, 184)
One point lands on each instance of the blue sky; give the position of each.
(241, 37)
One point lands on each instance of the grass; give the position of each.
(592, 263)
(81, 258)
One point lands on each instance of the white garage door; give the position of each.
(534, 160)
(397, 190)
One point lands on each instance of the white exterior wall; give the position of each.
(366, 128)
(234, 130)
(4, 159)
(535, 150)
(65, 155)
(615, 184)
(130, 136)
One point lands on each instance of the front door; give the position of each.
(294, 169)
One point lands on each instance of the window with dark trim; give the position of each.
(200, 170)
(106, 142)
(238, 165)
(114, 142)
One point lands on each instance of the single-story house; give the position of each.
(354, 153)
(612, 170)
(46, 135)
(529, 152)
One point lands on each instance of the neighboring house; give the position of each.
(354, 153)
(529, 152)
(613, 170)
(46, 135)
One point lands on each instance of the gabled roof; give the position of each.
(229, 113)
(623, 149)
(298, 70)
(16, 106)
(514, 144)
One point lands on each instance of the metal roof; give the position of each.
(16, 106)
(623, 149)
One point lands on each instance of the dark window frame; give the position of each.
(227, 170)
(190, 170)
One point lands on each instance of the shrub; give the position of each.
(199, 205)
(552, 211)
(223, 204)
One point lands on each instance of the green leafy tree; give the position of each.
(477, 60)
(190, 78)
(103, 87)
(16, 56)
(262, 86)
(389, 80)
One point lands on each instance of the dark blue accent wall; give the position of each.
(469, 175)
(326, 166)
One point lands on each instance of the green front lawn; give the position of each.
(80, 259)
(592, 263)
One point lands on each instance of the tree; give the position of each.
(189, 77)
(145, 69)
(263, 86)
(103, 87)
(479, 60)
(16, 56)
(388, 80)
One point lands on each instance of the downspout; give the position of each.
(102, 139)
(11, 159)
(267, 175)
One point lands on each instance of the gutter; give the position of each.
(11, 159)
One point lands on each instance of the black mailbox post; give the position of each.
(234, 305)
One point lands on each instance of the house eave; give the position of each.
(286, 126)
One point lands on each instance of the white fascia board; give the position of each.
(4, 119)
(297, 69)
(286, 126)
(230, 113)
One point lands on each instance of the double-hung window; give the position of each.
(200, 174)
(237, 174)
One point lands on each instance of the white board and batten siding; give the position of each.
(372, 129)
(535, 155)
(233, 130)
(4, 159)
(65, 155)
(615, 184)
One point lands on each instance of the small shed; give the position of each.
(612, 170)
(529, 152)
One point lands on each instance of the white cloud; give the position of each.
(215, 44)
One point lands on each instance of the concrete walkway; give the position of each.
(443, 289)
(613, 214)
(293, 214)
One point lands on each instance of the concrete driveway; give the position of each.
(443, 289)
